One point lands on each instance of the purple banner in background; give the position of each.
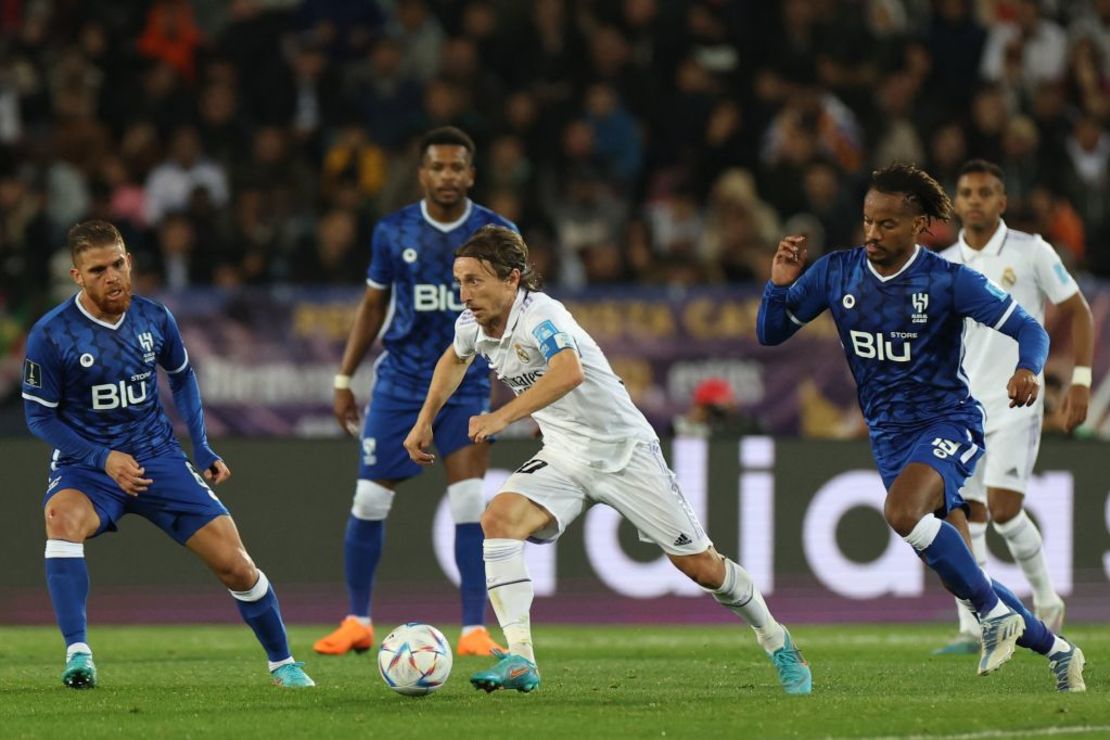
(266, 358)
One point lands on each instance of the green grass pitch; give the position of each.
(598, 682)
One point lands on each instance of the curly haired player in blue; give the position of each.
(900, 310)
(90, 389)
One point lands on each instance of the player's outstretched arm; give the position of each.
(564, 373)
(1032, 340)
(368, 322)
(1078, 397)
(449, 373)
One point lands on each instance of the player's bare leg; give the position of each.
(1023, 539)
(733, 588)
(71, 519)
(466, 467)
(218, 545)
(507, 522)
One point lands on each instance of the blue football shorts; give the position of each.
(179, 501)
(389, 420)
(950, 447)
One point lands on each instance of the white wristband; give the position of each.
(341, 382)
(1081, 376)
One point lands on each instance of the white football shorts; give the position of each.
(1011, 452)
(645, 492)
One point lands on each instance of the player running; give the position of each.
(597, 447)
(90, 389)
(1028, 267)
(410, 293)
(900, 312)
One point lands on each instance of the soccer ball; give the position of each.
(415, 659)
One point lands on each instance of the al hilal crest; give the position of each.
(920, 304)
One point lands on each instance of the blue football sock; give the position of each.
(472, 572)
(949, 556)
(67, 579)
(362, 549)
(1037, 637)
(260, 610)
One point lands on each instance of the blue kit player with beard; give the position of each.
(90, 389)
(900, 310)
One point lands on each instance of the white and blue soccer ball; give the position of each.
(415, 659)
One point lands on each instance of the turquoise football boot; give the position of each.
(292, 676)
(793, 670)
(80, 672)
(1000, 636)
(510, 672)
(964, 643)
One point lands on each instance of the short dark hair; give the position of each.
(504, 250)
(449, 136)
(917, 186)
(984, 167)
(90, 235)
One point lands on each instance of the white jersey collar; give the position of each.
(993, 246)
(887, 278)
(442, 226)
(90, 317)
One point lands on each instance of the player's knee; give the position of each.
(372, 501)
(68, 523)
(901, 518)
(499, 522)
(1004, 507)
(705, 569)
(466, 501)
(238, 573)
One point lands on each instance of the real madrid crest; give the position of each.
(521, 353)
(1009, 278)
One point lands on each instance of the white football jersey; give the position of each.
(1027, 267)
(596, 423)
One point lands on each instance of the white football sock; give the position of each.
(77, 647)
(1025, 544)
(510, 592)
(969, 623)
(739, 595)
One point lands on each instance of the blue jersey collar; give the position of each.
(888, 278)
(442, 226)
(90, 317)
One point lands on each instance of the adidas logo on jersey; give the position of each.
(682, 539)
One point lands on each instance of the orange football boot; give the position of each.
(351, 635)
(478, 642)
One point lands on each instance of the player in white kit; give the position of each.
(1028, 268)
(598, 448)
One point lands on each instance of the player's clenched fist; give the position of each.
(1023, 388)
(418, 442)
(790, 258)
(484, 426)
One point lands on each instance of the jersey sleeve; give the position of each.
(786, 309)
(174, 357)
(42, 377)
(466, 335)
(1053, 278)
(976, 296)
(549, 329)
(380, 272)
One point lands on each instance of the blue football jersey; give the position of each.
(902, 334)
(414, 255)
(102, 378)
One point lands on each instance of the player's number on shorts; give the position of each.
(945, 448)
(532, 466)
(369, 448)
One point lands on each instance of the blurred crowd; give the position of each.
(239, 142)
